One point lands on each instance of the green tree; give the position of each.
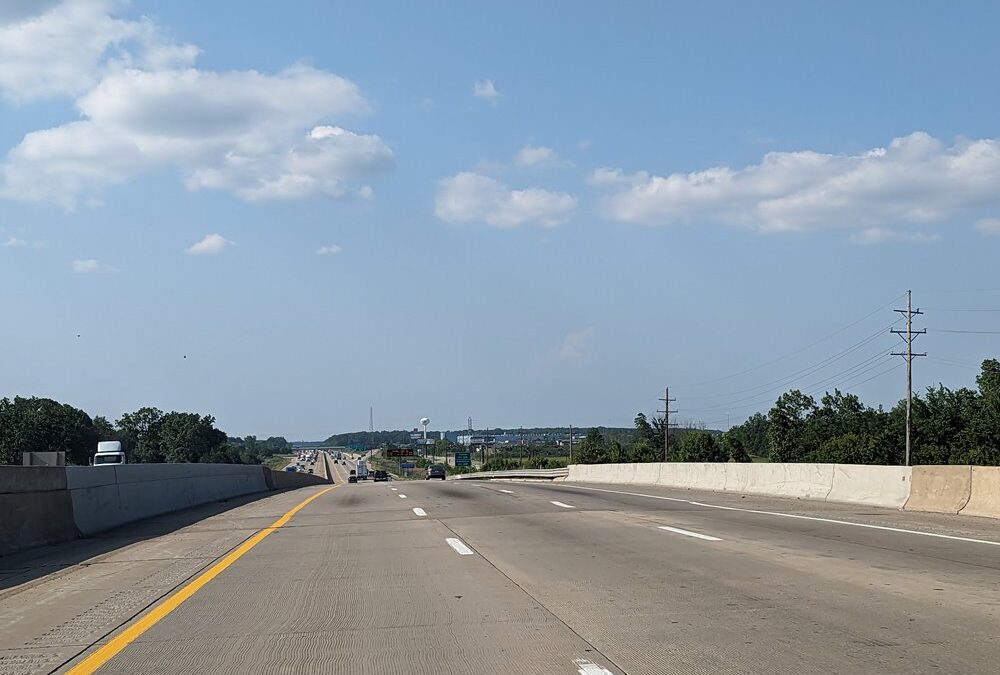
(646, 445)
(753, 433)
(43, 425)
(140, 434)
(593, 449)
(733, 448)
(105, 429)
(188, 437)
(786, 427)
(701, 446)
(984, 432)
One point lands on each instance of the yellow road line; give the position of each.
(123, 639)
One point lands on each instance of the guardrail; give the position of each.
(549, 474)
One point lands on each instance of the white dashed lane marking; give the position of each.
(459, 546)
(696, 535)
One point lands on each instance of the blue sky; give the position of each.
(533, 214)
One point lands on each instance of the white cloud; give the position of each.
(329, 249)
(537, 156)
(988, 226)
(486, 90)
(90, 266)
(584, 144)
(472, 197)
(210, 244)
(17, 242)
(882, 235)
(916, 179)
(576, 346)
(257, 135)
(63, 48)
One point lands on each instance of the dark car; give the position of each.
(435, 471)
(352, 479)
(380, 476)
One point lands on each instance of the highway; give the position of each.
(513, 577)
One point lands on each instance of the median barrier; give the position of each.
(623, 474)
(287, 480)
(109, 496)
(35, 508)
(583, 473)
(887, 486)
(801, 481)
(528, 474)
(737, 476)
(694, 475)
(940, 489)
(984, 493)
(647, 473)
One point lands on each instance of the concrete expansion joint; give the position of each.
(545, 608)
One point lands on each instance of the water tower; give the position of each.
(425, 421)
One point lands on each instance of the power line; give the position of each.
(797, 351)
(936, 309)
(807, 370)
(785, 382)
(863, 367)
(858, 369)
(953, 364)
(960, 290)
(877, 375)
(965, 332)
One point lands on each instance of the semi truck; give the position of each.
(108, 452)
(362, 470)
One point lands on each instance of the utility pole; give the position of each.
(571, 444)
(520, 454)
(666, 422)
(908, 336)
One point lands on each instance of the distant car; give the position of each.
(380, 476)
(352, 479)
(291, 469)
(435, 471)
(310, 470)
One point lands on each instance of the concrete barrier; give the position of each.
(801, 481)
(108, 496)
(286, 480)
(35, 508)
(940, 489)
(48, 505)
(984, 493)
(876, 485)
(694, 475)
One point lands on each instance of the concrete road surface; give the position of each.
(517, 577)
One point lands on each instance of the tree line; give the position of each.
(949, 426)
(147, 435)
(645, 444)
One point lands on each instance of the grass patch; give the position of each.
(278, 462)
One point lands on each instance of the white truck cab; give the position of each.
(108, 452)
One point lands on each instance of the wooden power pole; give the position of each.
(908, 335)
(666, 422)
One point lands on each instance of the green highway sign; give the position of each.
(463, 459)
